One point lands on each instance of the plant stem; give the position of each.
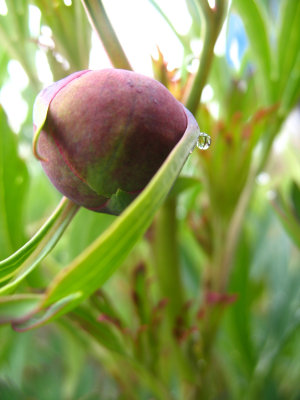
(102, 25)
(213, 19)
(166, 257)
(166, 246)
(169, 280)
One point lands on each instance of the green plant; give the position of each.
(205, 301)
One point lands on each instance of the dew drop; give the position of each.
(204, 141)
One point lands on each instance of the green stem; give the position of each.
(102, 25)
(169, 280)
(213, 22)
(166, 257)
(166, 246)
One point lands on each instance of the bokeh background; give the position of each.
(237, 221)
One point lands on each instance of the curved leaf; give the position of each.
(21, 263)
(257, 31)
(14, 307)
(16, 38)
(13, 188)
(94, 266)
(288, 53)
(287, 217)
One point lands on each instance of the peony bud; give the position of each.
(104, 134)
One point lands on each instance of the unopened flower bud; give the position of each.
(105, 135)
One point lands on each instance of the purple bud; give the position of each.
(105, 134)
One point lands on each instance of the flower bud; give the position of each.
(105, 134)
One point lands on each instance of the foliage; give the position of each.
(205, 302)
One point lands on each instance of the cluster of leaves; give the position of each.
(206, 305)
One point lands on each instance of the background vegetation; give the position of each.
(207, 304)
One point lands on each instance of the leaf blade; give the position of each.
(257, 32)
(89, 270)
(21, 263)
(13, 187)
(117, 235)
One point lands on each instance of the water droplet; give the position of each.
(204, 141)
(139, 90)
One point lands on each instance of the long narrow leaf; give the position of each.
(288, 53)
(13, 188)
(256, 28)
(21, 263)
(287, 218)
(93, 267)
(13, 307)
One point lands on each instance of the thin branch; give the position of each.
(213, 22)
(102, 25)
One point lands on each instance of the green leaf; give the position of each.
(21, 263)
(86, 273)
(94, 266)
(13, 189)
(291, 92)
(39, 316)
(288, 52)
(255, 24)
(119, 201)
(196, 17)
(295, 197)
(74, 242)
(102, 331)
(239, 316)
(4, 59)
(184, 183)
(16, 38)
(280, 320)
(287, 217)
(220, 79)
(14, 307)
